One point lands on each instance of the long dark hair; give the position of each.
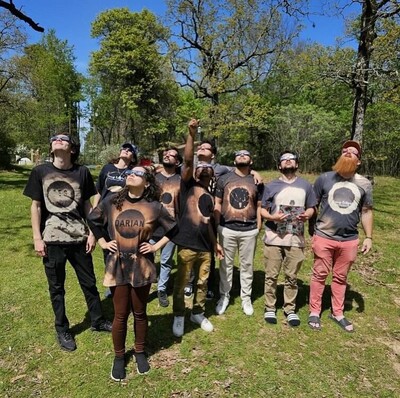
(151, 193)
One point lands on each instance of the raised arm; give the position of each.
(188, 156)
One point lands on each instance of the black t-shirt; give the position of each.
(111, 179)
(196, 213)
(240, 197)
(62, 194)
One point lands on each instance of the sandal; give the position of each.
(270, 317)
(314, 322)
(343, 323)
(292, 319)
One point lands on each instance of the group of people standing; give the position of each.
(202, 210)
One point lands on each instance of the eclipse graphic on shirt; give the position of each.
(166, 198)
(344, 197)
(205, 205)
(129, 223)
(239, 198)
(60, 194)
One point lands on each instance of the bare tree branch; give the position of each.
(20, 15)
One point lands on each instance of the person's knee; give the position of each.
(140, 315)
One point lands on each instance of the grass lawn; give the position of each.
(243, 357)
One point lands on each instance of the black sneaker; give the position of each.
(118, 372)
(66, 341)
(163, 298)
(210, 295)
(103, 326)
(142, 364)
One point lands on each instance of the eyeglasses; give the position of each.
(127, 148)
(204, 166)
(138, 173)
(242, 153)
(287, 156)
(64, 138)
(207, 148)
(350, 150)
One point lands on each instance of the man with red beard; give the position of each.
(345, 199)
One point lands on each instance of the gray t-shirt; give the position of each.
(340, 203)
(291, 198)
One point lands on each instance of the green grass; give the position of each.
(243, 357)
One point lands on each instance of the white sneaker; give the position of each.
(178, 326)
(201, 320)
(248, 308)
(222, 305)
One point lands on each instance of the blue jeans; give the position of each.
(166, 264)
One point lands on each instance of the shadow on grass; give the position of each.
(13, 182)
(108, 313)
(352, 298)
(160, 335)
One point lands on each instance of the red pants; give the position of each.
(336, 257)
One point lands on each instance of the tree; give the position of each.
(372, 17)
(218, 47)
(133, 92)
(48, 90)
(12, 41)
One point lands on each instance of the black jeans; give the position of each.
(54, 265)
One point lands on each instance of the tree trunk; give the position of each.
(361, 72)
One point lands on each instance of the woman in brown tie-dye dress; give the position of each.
(131, 217)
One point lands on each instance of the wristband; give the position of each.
(368, 237)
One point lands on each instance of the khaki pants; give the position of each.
(245, 243)
(290, 258)
(200, 263)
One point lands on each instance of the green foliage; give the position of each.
(381, 149)
(220, 47)
(385, 82)
(43, 94)
(240, 73)
(7, 144)
(133, 91)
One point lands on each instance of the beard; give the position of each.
(288, 170)
(168, 165)
(345, 165)
(243, 163)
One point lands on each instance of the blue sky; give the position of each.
(72, 19)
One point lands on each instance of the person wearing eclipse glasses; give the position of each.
(196, 237)
(206, 153)
(287, 203)
(60, 193)
(131, 216)
(112, 175)
(344, 198)
(238, 221)
(112, 179)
